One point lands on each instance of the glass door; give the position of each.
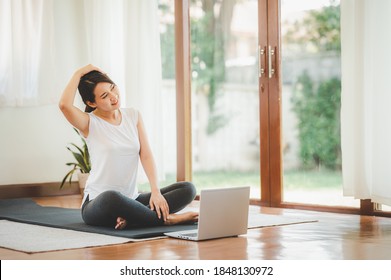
(225, 94)
(311, 91)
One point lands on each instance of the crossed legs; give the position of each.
(113, 209)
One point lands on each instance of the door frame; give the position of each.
(270, 118)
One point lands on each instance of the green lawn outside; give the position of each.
(293, 180)
(312, 180)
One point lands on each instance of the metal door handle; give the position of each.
(270, 62)
(261, 53)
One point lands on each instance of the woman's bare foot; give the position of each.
(121, 223)
(182, 218)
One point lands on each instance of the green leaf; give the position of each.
(79, 149)
(69, 174)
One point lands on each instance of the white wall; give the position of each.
(33, 139)
(32, 145)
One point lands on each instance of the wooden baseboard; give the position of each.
(38, 190)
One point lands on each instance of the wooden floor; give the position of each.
(333, 237)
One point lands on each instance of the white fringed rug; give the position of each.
(268, 220)
(30, 238)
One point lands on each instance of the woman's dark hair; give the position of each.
(87, 86)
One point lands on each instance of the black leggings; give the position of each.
(109, 205)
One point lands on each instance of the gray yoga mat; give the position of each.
(25, 210)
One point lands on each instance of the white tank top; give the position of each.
(114, 153)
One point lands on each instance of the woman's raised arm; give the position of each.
(74, 115)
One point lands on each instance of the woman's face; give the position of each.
(106, 97)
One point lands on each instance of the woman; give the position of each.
(116, 140)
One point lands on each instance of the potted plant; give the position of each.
(82, 165)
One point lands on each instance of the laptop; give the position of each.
(223, 213)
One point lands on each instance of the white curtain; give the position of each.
(26, 52)
(104, 25)
(123, 39)
(40, 39)
(366, 99)
(143, 73)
